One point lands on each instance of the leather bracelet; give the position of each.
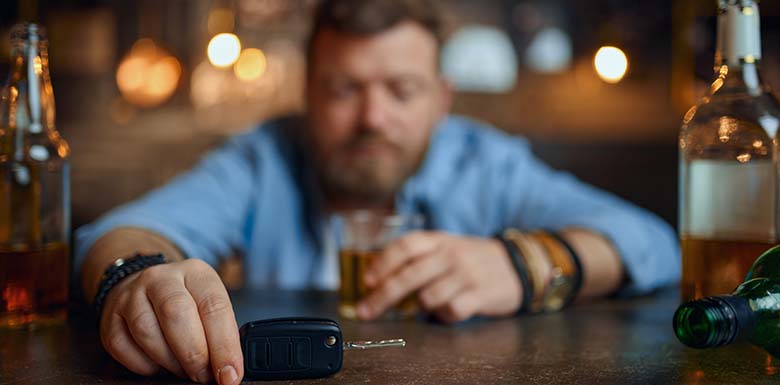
(522, 273)
(121, 269)
(535, 260)
(564, 273)
(578, 275)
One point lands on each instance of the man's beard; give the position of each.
(371, 178)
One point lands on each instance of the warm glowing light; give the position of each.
(148, 75)
(716, 84)
(250, 65)
(223, 50)
(771, 370)
(611, 64)
(726, 127)
(689, 115)
(160, 74)
(37, 65)
(220, 20)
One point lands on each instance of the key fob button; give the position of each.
(281, 353)
(259, 354)
(302, 353)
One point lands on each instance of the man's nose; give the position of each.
(375, 113)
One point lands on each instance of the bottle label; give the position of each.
(739, 34)
(730, 200)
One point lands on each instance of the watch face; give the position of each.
(559, 291)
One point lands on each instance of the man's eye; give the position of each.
(343, 90)
(405, 91)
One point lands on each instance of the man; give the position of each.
(376, 135)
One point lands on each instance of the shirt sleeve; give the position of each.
(201, 211)
(539, 197)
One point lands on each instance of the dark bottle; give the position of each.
(751, 312)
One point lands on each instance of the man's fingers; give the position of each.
(462, 307)
(410, 278)
(181, 325)
(219, 323)
(398, 253)
(441, 291)
(142, 323)
(117, 341)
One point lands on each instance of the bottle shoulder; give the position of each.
(45, 148)
(727, 125)
(767, 265)
(739, 105)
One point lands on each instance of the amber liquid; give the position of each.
(33, 286)
(715, 267)
(353, 264)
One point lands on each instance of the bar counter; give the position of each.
(609, 341)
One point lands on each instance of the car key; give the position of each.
(295, 348)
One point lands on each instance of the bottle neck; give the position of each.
(738, 52)
(29, 81)
(743, 78)
(739, 34)
(714, 321)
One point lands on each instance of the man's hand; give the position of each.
(176, 316)
(456, 277)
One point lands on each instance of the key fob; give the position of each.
(291, 348)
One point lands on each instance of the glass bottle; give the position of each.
(752, 312)
(728, 155)
(34, 190)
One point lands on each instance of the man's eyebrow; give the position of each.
(330, 79)
(407, 78)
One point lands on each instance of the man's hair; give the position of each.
(370, 17)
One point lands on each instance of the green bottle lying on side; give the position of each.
(751, 312)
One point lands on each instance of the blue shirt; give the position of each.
(254, 195)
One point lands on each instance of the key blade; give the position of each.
(374, 344)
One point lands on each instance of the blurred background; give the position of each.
(144, 87)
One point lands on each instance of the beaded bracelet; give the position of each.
(121, 269)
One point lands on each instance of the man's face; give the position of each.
(372, 104)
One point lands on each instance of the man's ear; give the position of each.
(446, 96)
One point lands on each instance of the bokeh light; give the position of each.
(611, 64)
(550, 51)
(148, 75)
(480, 59)
(223, 50)
(251, 64)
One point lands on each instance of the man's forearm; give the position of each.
(602, 267)
(118, 243)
